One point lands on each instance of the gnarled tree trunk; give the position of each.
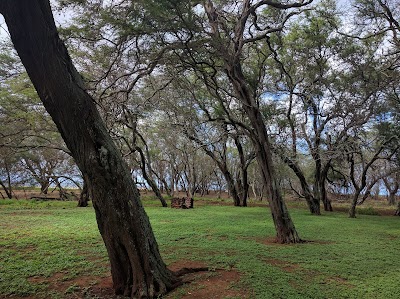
(136, 266)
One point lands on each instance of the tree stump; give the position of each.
(182, 203)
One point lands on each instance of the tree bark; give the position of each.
(136, 265)
(284, 226)
(232, 57)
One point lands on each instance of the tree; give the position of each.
(209, 40)
(392, 186)
(136, 265)
(359, 178)
(196, 116)
(232, 36)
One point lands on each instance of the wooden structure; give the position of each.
(182, 203)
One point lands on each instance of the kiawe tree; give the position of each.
(136, 265)
(217, 40)
(233, 35)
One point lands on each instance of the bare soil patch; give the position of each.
(218, 284)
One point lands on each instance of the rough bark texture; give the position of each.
(137, 268)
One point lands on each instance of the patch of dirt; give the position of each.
(217, 284)
(79, 287)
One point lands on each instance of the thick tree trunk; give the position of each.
(231, 187)
(44, 186)
(136, 266)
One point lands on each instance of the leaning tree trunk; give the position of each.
(148, 178)
(312, 202)
(285, 229)
(284, 226)
(44, 186)
(136, 265)
(7, 190)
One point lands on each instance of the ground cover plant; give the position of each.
(53, 250)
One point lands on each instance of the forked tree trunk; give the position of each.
(136, 265)
(312, 202)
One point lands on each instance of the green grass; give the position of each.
(347, 258)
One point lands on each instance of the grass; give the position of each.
(346, 258)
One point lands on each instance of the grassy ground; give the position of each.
(43, 242)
